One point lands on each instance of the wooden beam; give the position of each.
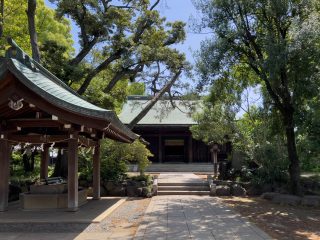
(87, 142)
(4, 171)
(37, 139)
(96, 172)
(73, 201)
(31, 123)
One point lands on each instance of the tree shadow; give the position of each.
(281, 222)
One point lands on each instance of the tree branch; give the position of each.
(31, 12)
(121, 74)
(154, 5)
(153, 101)
(84, 51)
(97, 70)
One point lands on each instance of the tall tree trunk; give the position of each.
(26, 163)
(61, 165)
(1, 20)
(294, 166)
(32, 160)
(31, 13)
(153, 101)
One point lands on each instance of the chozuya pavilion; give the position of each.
(38, 108)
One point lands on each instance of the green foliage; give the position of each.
(215, 122)
(142, 178)
(308, 137)
(274, 163)
(273, 44)
(18, 176)
(113, 100)
(85, 165)
(115, 157)
(15, 25)
(136, 88)
(129, 37)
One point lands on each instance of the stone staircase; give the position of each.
(183, 189)
(191, 167)
(181, 184)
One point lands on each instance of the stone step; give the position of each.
(204, 183)
(184, 188)
(192, 167)
(183, 193)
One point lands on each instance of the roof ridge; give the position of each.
(17, 53)
(149, 97)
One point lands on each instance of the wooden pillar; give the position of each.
(44, 162)
(73, 172)
(96, 172)
(190, 150)
(160, 149)
(4, 171)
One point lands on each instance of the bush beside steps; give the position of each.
(226, 190)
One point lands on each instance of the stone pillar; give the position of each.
(4, 171)
(215, 149)
(190, 150)
(73, 172)
(96, 172)
(44, 162)
(160, 149)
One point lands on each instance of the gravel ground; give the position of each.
(126, 217)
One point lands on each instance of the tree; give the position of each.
(48, 28)
(263, 36)
(131, 39)
(31, 13)
(1, 16)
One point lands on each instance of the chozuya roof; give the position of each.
(162, 113)
(42, 82)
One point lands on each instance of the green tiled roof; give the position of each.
(46, 85)
(50, 90)
(162, 113)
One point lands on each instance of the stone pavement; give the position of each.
(194, 217)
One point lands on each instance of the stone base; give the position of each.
(48, 189)
(29, 201)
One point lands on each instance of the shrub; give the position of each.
(115, 156)
(143, 178)
(274, 164)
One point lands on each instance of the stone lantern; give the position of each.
(214, 151)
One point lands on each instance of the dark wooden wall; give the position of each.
(156, 135)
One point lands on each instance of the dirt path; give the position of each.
(124, 221)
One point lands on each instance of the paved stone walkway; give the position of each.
(193, 217)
